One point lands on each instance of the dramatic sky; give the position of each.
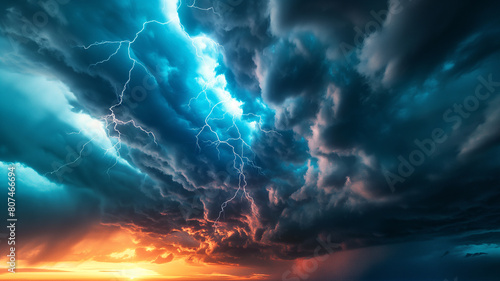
(252, 140)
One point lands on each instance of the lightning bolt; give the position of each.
(76, 159)
(203, 9)
(111, 120)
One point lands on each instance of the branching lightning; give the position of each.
(240, 158)
(236, 145)
(111, 119)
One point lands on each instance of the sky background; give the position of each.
(252, 140)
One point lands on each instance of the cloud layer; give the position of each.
(370, 122)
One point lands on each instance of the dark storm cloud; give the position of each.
(340, 123)
(331, 21)
(374, 126)
(409, 48)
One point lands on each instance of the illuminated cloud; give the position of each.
(224, 139)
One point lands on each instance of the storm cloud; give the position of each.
(368, 122)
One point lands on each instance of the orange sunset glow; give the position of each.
(111, 253)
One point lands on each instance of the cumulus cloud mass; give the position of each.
(252, 140)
